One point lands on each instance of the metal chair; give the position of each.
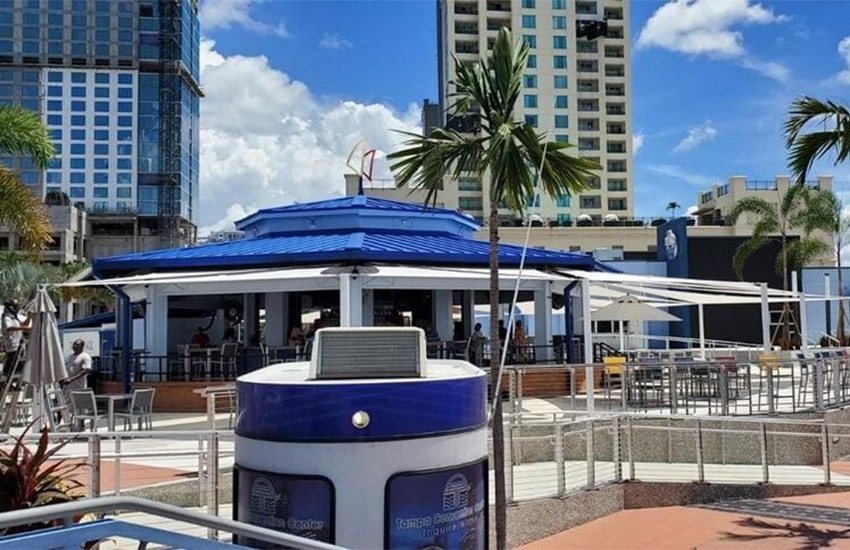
(226, 363)
(141, 406)
(84, 408)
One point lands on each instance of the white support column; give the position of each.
(277, 319)
(156, 323)
(350, 300)
(442, 310)
(804, 323)
(368, 307)
(588, 343)
(701, 313)
(543, 322)
(765, 318)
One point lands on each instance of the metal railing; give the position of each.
(570, 452)
(72, 534)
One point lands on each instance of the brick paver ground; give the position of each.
(685, 528)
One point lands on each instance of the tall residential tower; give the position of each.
(117, 83)
(577, 89)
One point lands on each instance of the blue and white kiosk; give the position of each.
(368, 445)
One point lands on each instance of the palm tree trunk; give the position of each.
(495, 349)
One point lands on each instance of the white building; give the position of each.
(576, 89)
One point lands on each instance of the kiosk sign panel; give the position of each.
(294, 504)
(438, 509)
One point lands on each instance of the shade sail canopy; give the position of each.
(631, 308)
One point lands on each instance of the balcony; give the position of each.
(466, 47)
(616, 147)
(614, 52)
(615, 109)
(615, 70)
(586, 46)
(616, 166)
(588, 86)
(617, 205)
(586, 8)
(466, 28)
(584, 66)
(617, 185)
(616, 129)
(588, 106)
(499, 6)
(588, 144)
(588, 125)
(615, 33)
(466, 8)
(495, 26)
(615, 90)
(614, 14)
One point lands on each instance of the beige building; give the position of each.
(629, 238)
(575, 89)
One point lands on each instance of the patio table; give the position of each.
(111, 398)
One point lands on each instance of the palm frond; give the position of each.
(757, 206)
(744, 251)
(23, 133)
(801, 252)
(22, 211)
(805, 148)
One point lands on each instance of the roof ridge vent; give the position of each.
(368, 352)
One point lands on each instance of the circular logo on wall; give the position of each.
(671, 245)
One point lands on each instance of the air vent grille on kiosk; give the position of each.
(368, 352)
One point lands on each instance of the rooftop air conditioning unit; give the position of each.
(368, 352)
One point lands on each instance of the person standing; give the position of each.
(475, 346)
(13, 334)
(78, 365)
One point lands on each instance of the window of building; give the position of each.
(101, 91)
(559, 22)
(101, 164)
(101, 120)
(125, 121)
(101, 148)
(530, 39)
(54, 91)
(101, 135)
(559, 42)
(560, 81)
(563, 201)
(78, 106)
(78, 163)
(78, 91)
(125, 93)
(101, 192)
(125, 78)
(78, 134)
(77, 192)
(528, 4)
(533, 201)
(54, 105)
(54, 120)
(101, 106)
(124, 192)
(125, 135)
(78, 78)
(78, 148)
(78, 177)
(101, 78)
(125, 149)
(53, 177)
(562, 121)
(531, 120)
(125, 107)
(561, 138)
(559, 4)
(529, 22)
(559, 61)
(54, 76)
(529, 101)
(561, 102)
(124, 177)
(101, 178)
(532, 62)
(529, 81)
(125, 164)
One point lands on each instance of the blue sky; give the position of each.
(291, 85)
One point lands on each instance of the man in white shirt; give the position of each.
(78, 366)
(13, 334)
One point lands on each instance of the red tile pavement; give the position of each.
(684, 528)
(132, 475)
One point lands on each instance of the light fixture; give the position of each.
(360, 419)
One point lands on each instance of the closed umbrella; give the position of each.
(633, 309)
(45, 361)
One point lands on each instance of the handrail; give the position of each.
(68, 510)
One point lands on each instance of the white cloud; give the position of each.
(708, 28)
(224, 14)
(696, 136)
(637, 142)
(697, 180)
(844, 51)
(274, 143)
(334, 42)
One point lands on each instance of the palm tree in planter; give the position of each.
(509, 152)
(777, 223)
(830, 125)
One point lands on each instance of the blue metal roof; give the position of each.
(358, 229)
(359, 247)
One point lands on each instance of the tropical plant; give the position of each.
(672, 207)
(805, 148)
(506, 150)
(776, 223)
(830, 125)
(826, 212)
(29, 479)
(23, 133)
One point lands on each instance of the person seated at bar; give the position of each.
(229, 336)
(296, 337)
(200, 339)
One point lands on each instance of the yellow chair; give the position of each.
(615, 368)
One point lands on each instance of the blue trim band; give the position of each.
(322, 412)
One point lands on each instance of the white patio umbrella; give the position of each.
(45, 361)
(633, 309)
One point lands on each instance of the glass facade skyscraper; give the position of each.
(117, 83)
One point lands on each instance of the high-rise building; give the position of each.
(116, 81)
(576, 89)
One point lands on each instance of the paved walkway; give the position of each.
(807, 522)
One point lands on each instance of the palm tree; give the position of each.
(506, 150)
(826, 212)
(23, 133)
(775, 223)
(805, 149)
(672, 207)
